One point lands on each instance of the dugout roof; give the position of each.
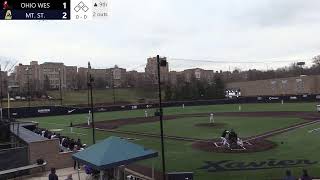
(25, 134)
(113, 152)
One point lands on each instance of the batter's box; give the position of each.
(217, 144)
(248, 143)
(240, 148)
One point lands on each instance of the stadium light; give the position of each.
(60, 89)
(301, 64)
(113, 90)
(90, 84)
(28, 79)
(161, 63)
(1, 89)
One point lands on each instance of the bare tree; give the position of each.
(316, 60)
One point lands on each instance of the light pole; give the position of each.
(113, 91)
(161, 63)
(60, 87)
(301, 64)
(28, 81)
(90, 84)
(88, 90)
(1, 86)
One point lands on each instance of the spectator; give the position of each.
(88, 169)
(75, 150)
(52, 175)
(289, 176)
(305, 175)
(78, 143)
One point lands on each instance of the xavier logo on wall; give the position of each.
(229, 165)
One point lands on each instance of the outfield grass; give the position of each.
(180, 156)
(130, 95)
(101, 116)
(104, 95)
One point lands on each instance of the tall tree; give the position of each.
(316, 60)
(167, 93)
(219, 87)
(46, 83)
(100, 83)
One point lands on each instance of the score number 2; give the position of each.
(64, 15)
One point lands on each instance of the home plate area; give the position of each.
(251, 146)
(237, 147)
(230, 143)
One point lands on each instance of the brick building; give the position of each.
(277, 87)
(71, 77)
(35, 75)
(135, 78)
(55, 72)
(99, 76)
(116, 76)
(151, 70)
(199, 74)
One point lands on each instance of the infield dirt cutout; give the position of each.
(211, 125)
(256, 143)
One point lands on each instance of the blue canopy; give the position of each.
(113, 152)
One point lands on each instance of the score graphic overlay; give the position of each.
(35, 10)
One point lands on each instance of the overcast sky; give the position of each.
(216, 30)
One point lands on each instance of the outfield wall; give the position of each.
(25, 112)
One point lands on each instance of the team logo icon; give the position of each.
(8, 15)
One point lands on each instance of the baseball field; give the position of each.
(276, 137)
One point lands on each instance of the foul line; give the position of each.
(246, 140)
(280, 131)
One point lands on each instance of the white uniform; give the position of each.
(146, 113)
(239, 142)
(182, 106)
(225, 142)
(89, 118)
(211, 118)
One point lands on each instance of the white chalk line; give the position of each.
(284, 130)
(314, 130)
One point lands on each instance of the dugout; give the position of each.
(111, 156)
(27, 148)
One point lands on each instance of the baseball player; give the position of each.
(71, 127)
(224, 138)
(89, 118)
(211, 118)
(146, 113)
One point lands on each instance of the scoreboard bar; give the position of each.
(35, 10)
(39, 15)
